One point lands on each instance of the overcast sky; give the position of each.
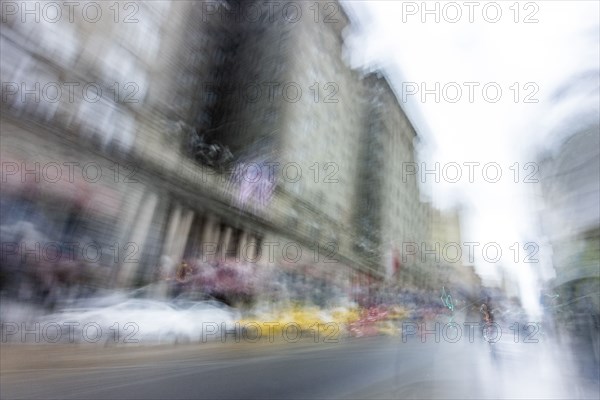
(540, 57)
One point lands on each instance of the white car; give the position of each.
(210, 320)
(143, 321)
(129, 321)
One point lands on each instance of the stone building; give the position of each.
(450, 268)
(393, 222)
(570, 178)
(105, 94)
(166, 110)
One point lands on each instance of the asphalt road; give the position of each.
(379, 367)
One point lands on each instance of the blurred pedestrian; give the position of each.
(183, 271)
(181, 278)
(487, 315)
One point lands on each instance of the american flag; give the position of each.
(254, 184)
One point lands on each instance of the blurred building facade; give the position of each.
(156, 117)
(393, 223)
(122, 86)
(571, 218)
(447, 263)
(570, 178)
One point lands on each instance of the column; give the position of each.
(172, 226)
(224, 242)
(211, 239)
(135, 246)
(181, 236)
(132, 202)
(241, 251)
(251, 251)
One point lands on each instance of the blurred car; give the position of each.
(207, 320)
(312, 321)
(144, 321)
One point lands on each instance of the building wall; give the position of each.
(392, 216)
(179, 72)
(571, 192)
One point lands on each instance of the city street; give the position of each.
(380, 367)
(326, 199)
